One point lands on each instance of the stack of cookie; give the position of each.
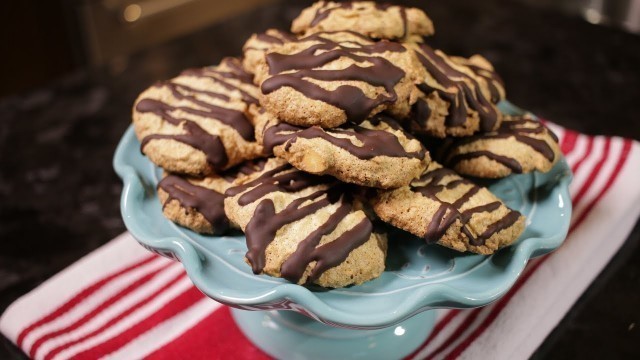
(316, 135)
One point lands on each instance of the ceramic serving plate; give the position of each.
(418, 276)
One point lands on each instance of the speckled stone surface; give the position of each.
(59, 197)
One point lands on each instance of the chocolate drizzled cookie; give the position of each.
(327, 79)
(375, 20)
(198, 203)
(521, 144)
(336, 102)
(458, 95)
(305, 228)
(377, 153)
(199, 122)
(259, 44)
(444, 208)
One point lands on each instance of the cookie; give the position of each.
(305, 228)
(458, 96)
(199, 122)
(327, 79)
(520, 145)
(378, 21)
(444, 208)
(198, 203)
(377, 153)
(259, 44)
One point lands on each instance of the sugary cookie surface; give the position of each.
(327, 79)
(377, 153)
(444, 208)
(458, 96)
(199, 122)
(198, 203)
(305, 228)
(259, 44)
(375, 20)
(521, 144)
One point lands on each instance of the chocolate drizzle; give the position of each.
(207, 202)
(194, 135)
(230, 117)
(447, 214)
(245, 168)
(278, 39)
(491, 77)
(330, 254)
(355, 103)
(219, 77)
(405, 27)
(507, 161)
(374, 142)
(265, 222)
(267, 40)
(421, 113)
(323, 13)
(403, 15)
(518, 128)
(459, 90)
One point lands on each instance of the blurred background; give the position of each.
(71, 69)
(52, 38)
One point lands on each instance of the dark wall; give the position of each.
(35, 44)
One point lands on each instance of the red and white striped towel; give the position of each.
(123, 302)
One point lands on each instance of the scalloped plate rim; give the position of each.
(423, 298)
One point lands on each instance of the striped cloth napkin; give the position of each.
(123, 302)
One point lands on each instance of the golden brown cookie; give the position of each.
(444, 208)
(375, 20)
(305, 228)
(198, 203)
(458, 96)
(199, 122)
(327, 79)
(520, 145)
(377, 153)
(259, 44)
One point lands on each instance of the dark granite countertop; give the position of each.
(59, 197)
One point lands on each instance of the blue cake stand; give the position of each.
(382, 319)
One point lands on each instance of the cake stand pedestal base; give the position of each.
(289, 335)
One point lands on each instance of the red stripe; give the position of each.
(118, 318)
(215, 337)
(181, 344)
(81, 296)
(221, 321)
(585, 156)
(97, 310)
(171, 309)
(445, 321)
(495, 310)
(455, 335)
(626, 149)
(436, 330)
(568, 142)
(567, 146)
(594, 172)
(474, 314)
(505, 300)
